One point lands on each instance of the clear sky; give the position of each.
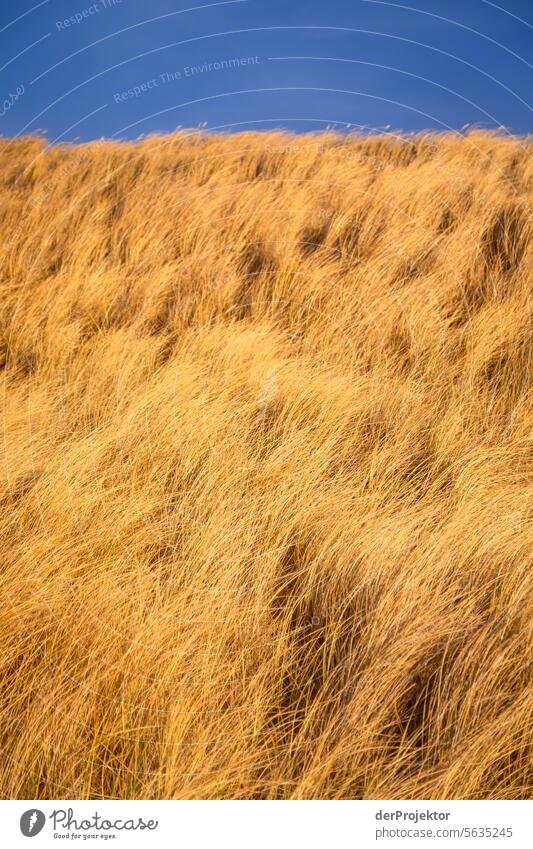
(82, 69)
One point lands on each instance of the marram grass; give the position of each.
(266, 491)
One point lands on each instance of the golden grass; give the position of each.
(266, 502)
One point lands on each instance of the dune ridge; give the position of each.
(266, 467)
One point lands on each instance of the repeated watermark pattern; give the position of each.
(11, 99)
(83, 15)
(186, 72)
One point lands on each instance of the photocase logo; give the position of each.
(32, 822)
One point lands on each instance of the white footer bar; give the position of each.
(268, 825)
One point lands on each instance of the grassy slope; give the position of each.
(264, 477)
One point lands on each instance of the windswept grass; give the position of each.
(266, 468)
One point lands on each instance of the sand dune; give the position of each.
(266, 467)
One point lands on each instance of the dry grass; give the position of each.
(266, 512)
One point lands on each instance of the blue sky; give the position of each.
(83, 69)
